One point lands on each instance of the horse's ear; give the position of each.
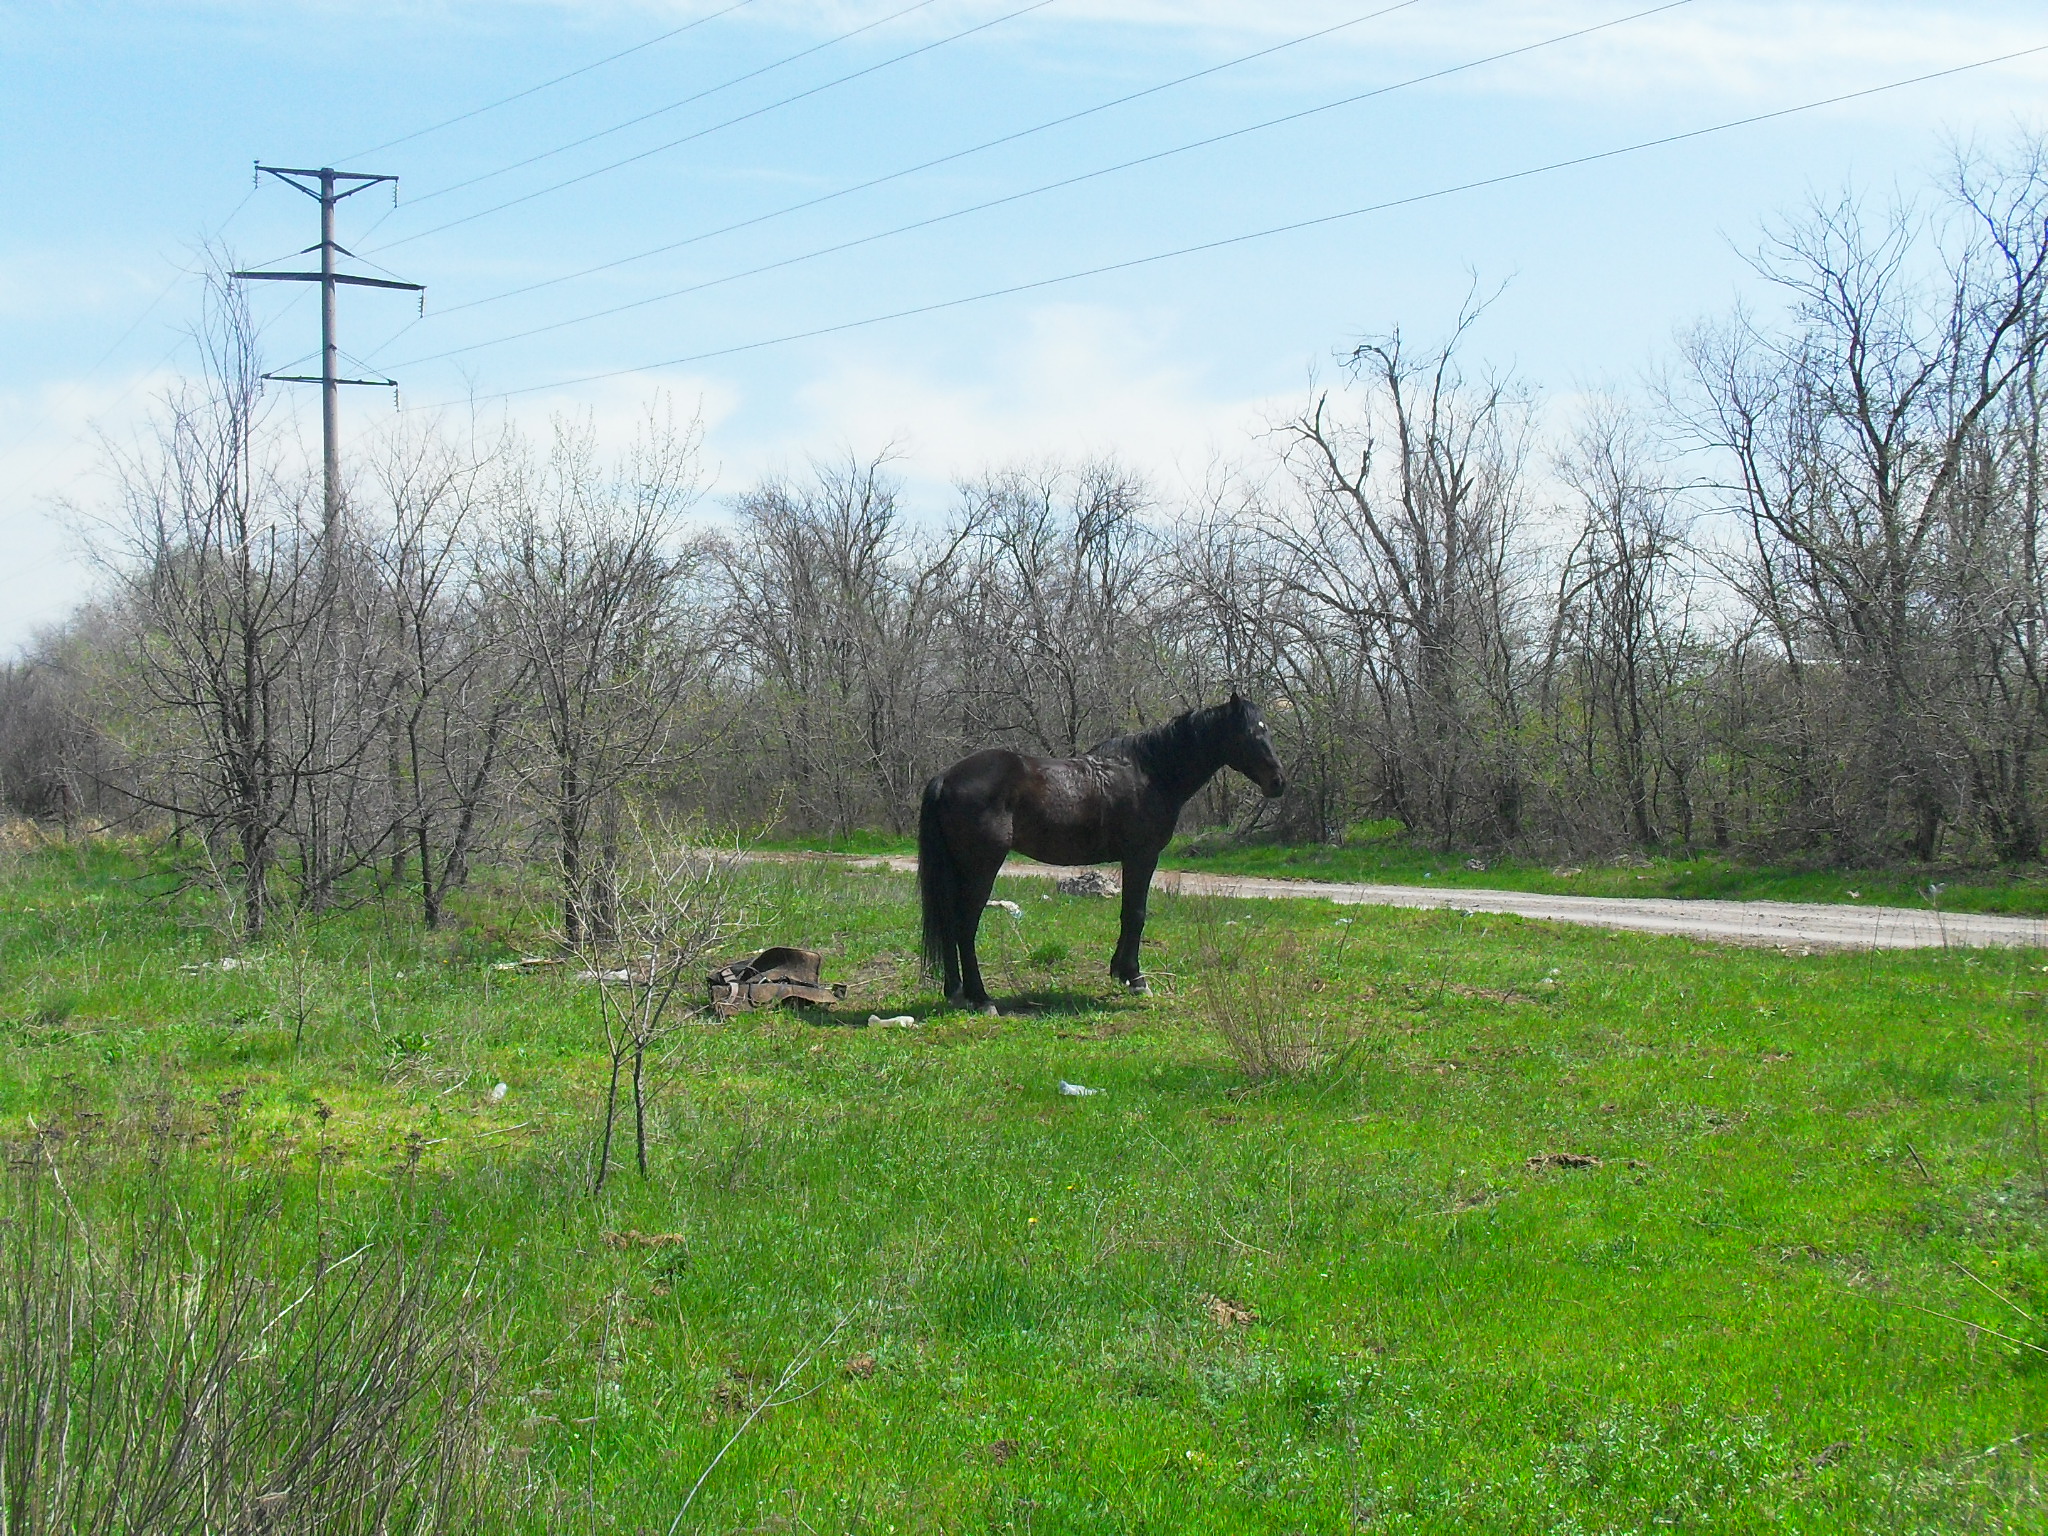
(1236, 697)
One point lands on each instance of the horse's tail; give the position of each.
(938, 881)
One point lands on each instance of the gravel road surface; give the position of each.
(1781, 924)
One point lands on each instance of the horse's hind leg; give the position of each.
(975, 885)
(950, 959)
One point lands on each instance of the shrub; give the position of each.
(169, 1368)
(1248, 986)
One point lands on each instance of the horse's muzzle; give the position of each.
(1276, 786)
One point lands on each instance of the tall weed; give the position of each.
(1248, 985)
(169, 1363)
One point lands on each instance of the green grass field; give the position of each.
(1346, 1300)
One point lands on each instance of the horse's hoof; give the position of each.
(1138, 986)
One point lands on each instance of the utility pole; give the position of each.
(326, 186)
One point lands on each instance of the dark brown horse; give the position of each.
(1119, 802)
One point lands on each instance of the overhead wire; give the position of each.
(676, 105)
(1477, 184)
(180, 272)
(926, 165)
(165, 292)
(731, 122)
(532, 90)
(1050, 186)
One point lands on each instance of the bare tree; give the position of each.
(835, 612)
(588, 580)
(1053, 605)
(1850, 436)
(213, 561)
(673, 903)
(453, 681)
(1619, 626)
(1405, 538)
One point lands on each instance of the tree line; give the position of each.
(1789, 598)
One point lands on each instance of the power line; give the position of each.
(37, 568)
(1481, 183)
(773, 106)
(42, 467)
(1050, 186)
(504, 101)
(680, 102)
(926, 165)
(165, 291)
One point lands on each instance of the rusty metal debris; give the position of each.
(780, 974)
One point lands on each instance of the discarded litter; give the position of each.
(1225, 1313)
(901, 1021)
(1010, 907)
(1076, 1091)
(1089, 882)
(604, 975)
(780, 974)
(498, 1093)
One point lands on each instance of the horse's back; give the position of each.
(990, 772)
(1062, 810)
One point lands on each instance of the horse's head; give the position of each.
(1249, 746)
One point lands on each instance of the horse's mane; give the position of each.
(1163, 748)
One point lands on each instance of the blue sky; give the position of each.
(127, 132)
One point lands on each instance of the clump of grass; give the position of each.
(1050, 954)
(164, 1366)
(53, 1008)
(1248, 984)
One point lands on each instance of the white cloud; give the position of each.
(53, 456)
(1079, 381)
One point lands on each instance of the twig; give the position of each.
(330, 1269)
(773, 1400)
(1918, 1164)
(1993, 1450)
(91, 1249)
(1980, 1327)
(2023, 1312)
(1241, 1243)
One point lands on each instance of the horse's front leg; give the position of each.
(1125, 965)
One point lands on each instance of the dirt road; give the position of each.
(1781, 924)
